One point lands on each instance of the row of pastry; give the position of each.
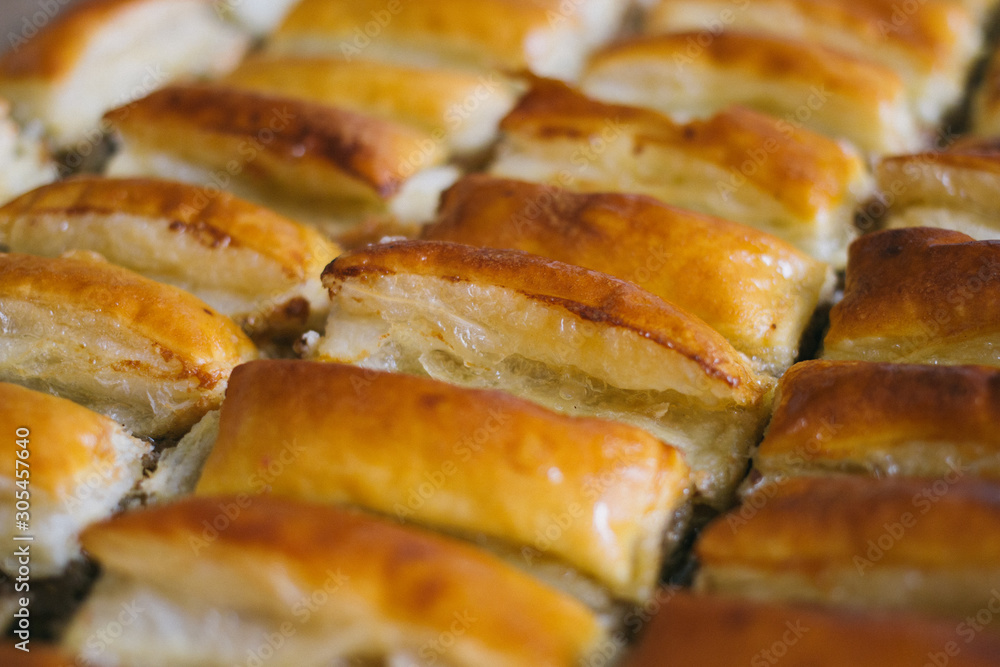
(586, 506)
(874, 492)
(360, 140)
(572, 331)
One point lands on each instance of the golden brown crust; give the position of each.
(428, 98)
(835, 413)
(723, 272)
(490, 32)
(301, 146)
(761, 56)
(587, 294)
(928, 35)
(215, 219)
(57, 47)
(812, 525)
(916, 288)
(203, 343)
(806, 173)
(982, 154)
(701, 630)
(65, 440)
(901, 175)
(408, 577)
(955, 188)
(373, 440)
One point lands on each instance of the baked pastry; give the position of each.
(216, 577)
(462, 109)
(754, 289)
(69, 466)
(931, 44)
(706, 631)
(954, 189)
(920, 545)
(919, 295)
(572, 339)
(806, 84)
(882, 420)
(258, 16)
(26, 163)
(311, 162)
(243, 260)
(547, 37)
(150, 356)
(739, 164)
(478, 464)
(100, 54)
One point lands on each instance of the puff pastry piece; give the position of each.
(459, 108)
(699, 631)
(739, 164)
(479, 464)
(26, 163)
(100, 54)
(882, 420)
(569, 338)
(919, 295)
(77, 467)
(212, 594)
(150, 356)
(547, 37)
(243, 260)
(311, 162)
(754, 289)
(931, 44)
(955, 189)
(808, 85)
(922, 545)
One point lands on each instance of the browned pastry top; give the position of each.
(64, 440)
(271, 552)
(214, 218)
(908, 282)
(696, 630)
(205, 344)
(812, 524)
(836, 409)
(587, 294)
(810, 174)
(195, 120)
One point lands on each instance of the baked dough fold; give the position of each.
(923, 545)
(100, 54)
(806, 84)
(311, 162)
(598, 496)
(919, 295)
(253, 265)
(739, 164)
(70, 466)
(216, 577)
(150, 356)
(882, 420)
